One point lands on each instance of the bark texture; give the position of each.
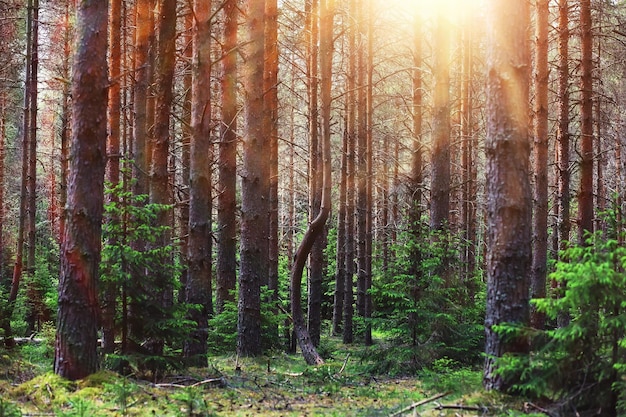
(198, 286)
(254, 187)
(76, 339)
(509, 200)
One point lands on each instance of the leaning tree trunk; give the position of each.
(509, 200)
(316, 227)
(76, 340)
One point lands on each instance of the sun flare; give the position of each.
(454, 10)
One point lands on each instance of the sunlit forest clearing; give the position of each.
(312, 207)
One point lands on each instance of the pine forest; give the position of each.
(312, 207)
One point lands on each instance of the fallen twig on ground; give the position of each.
(417, 404)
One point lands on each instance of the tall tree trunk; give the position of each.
(361, 163)
(468, 254)
(110, 289)
(227, 166)
(160, 192)
(585, 193)
(198, 290)
(440, 177)
(370, 173)
(509, 199)
(563, 135)
(316, 257)
(540, 150)
(19, 253)
(416, 183)
(254, 187)
(351, 134)
(340, 259)
(77, 324)
(187, 132)
(144, 26)
(34, 291)
(316, 227)
(271, 93)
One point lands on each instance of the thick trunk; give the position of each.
(509, 199)
(254, 187)
(198, 289)
(227, 199)
(540, 218)
(77, 325)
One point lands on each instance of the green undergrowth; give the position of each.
(273, 385)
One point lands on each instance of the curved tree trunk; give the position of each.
(316, 227)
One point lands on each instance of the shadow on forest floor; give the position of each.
(273, 385)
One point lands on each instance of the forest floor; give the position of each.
(275, 385)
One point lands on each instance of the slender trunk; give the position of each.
(563, 125)
(271, 102)
(316, 258)
(198, 289)
(340, 273)
(540, 150)
(370, 173)
(160, 192)
(110, 289)
(227, 166)
(34, 291)
(316, 227)
(585, 193)
(19, 253)
(348, 300)
(187, 132)
(415, 203)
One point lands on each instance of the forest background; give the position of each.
(423, 170)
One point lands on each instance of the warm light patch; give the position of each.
(454, 10)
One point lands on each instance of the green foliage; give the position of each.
(581, 360)
(8, 409)
(131, 220)
(122, 392)
(223, 335)
(423, 301)
(79, 407)
(193, 401)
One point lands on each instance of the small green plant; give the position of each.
(122, 392)
(8, 409)
(193, 402)
(79, 407)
